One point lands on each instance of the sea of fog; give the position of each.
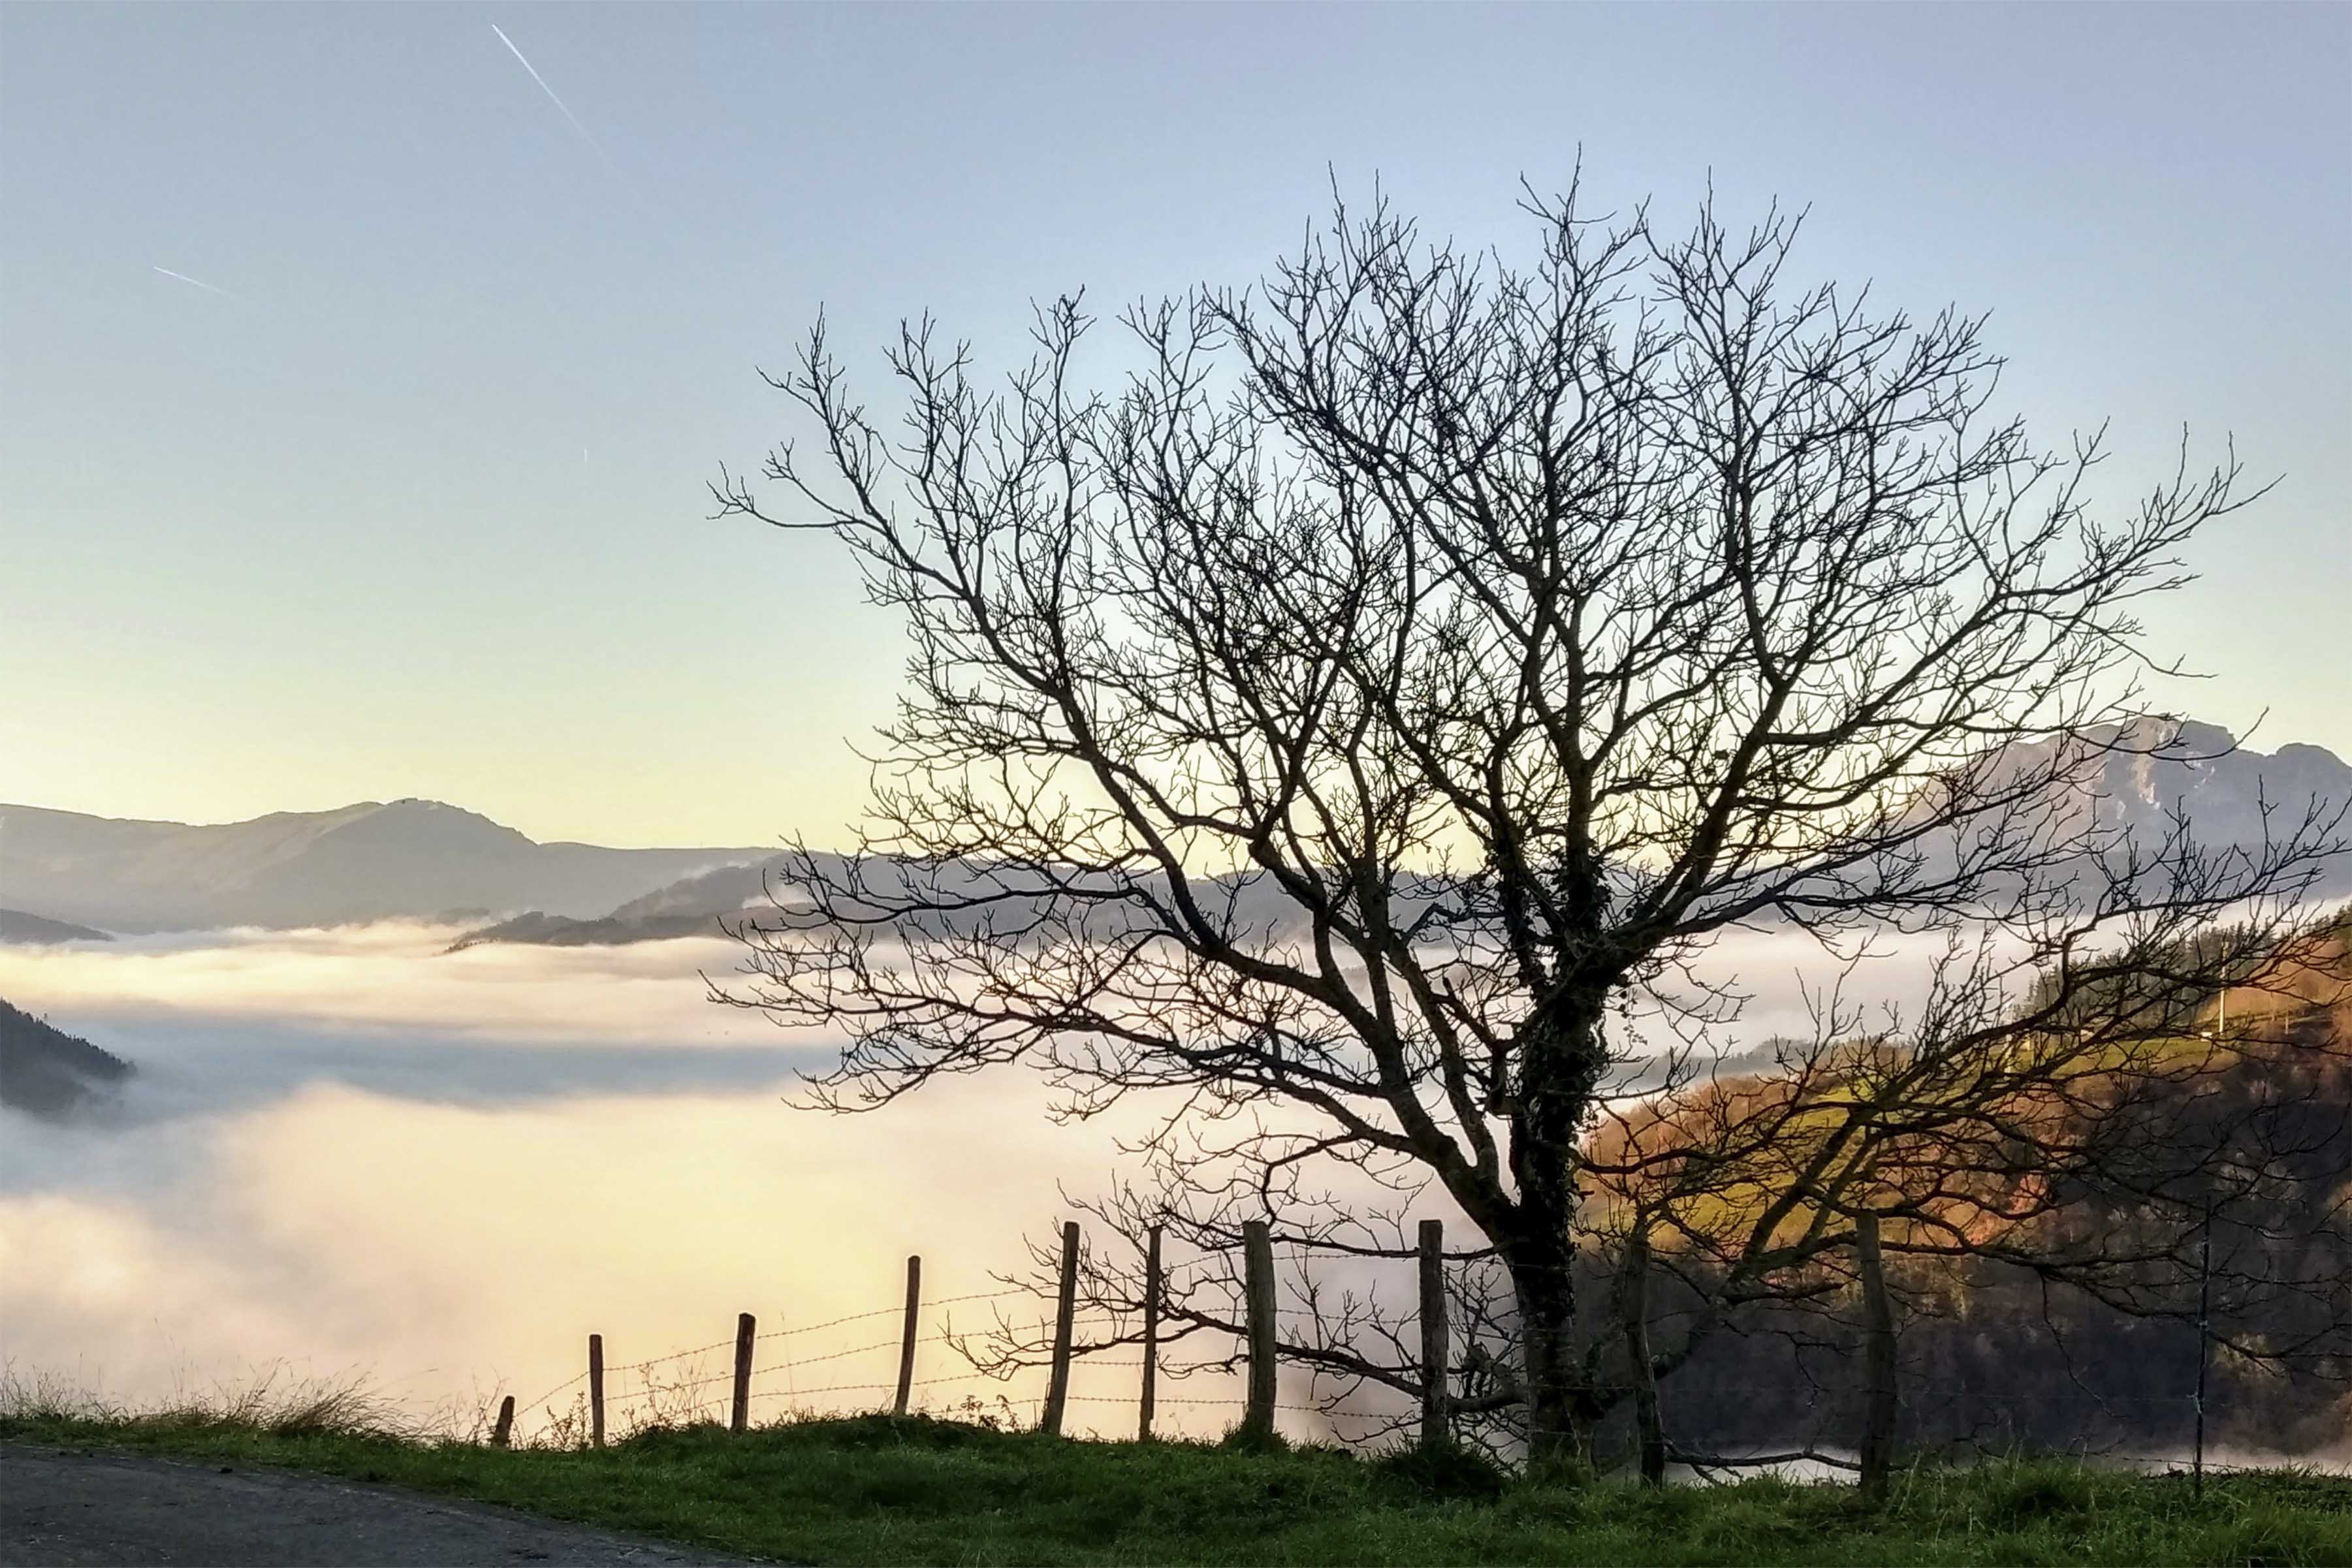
(349, 1152)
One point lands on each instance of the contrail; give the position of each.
(199, 282)
(595, 145)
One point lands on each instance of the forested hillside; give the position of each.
(47, 1072)
(2077, 1325)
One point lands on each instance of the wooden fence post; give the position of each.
(745, 1334)
(596, 1390)
(1152, 1288)
(1647, 1420)
(1257, 1259)
(906, 1339)
(504, 1432)
(1434, 1350)
(1057, 1391)
(2204, 1332)
(1877, 1360)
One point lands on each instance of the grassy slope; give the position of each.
(873, 1490)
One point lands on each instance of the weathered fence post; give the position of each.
(596, 1390)
(2204, 1335)
(1877, 1360)
(1257, 1259)
(1647, 1420)
(1150, 1332)
(906, 1339)
(1057, 1391)
(745, 1333)
(1434, 1350)
(504, 1432)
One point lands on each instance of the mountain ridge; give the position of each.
(369, 861)
(420, 859)
(37, 930)
(2161, 765)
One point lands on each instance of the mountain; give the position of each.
(2160, 766)
(416, 859)
(48, 1072)
(691, 907)
(2235, 798)
(15, 925)
(2196, 767)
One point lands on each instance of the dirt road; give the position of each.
(66, 1506)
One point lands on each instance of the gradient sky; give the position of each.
(409, 499)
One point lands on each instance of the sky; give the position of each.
(360, 382)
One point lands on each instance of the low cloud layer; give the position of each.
(385, 978)
(348, 1151)
(442, 1248)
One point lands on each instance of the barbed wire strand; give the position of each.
(654, 1390)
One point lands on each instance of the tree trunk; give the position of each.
(1561, 1063)
(1546, 1293)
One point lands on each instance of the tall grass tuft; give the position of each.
(271, 1400)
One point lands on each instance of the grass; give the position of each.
(875, 1491)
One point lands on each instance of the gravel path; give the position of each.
(69, 1506)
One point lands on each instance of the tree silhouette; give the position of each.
(1353, 716)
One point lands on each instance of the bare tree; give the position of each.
(1355, 718)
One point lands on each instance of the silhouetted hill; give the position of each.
(416, 859)
(15, 925)
(539, 930)
(48, 1072)
(690, 906)
(696, 906)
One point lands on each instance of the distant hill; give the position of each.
(423, 859)
(15, 925)
(2235, 798)
(51, 1073)
(2200, 769)
(691, 907)
(416, 859)
(694, 906)
(539, 930)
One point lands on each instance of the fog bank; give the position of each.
(348, 1151)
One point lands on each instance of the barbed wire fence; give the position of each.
(755, 1374)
